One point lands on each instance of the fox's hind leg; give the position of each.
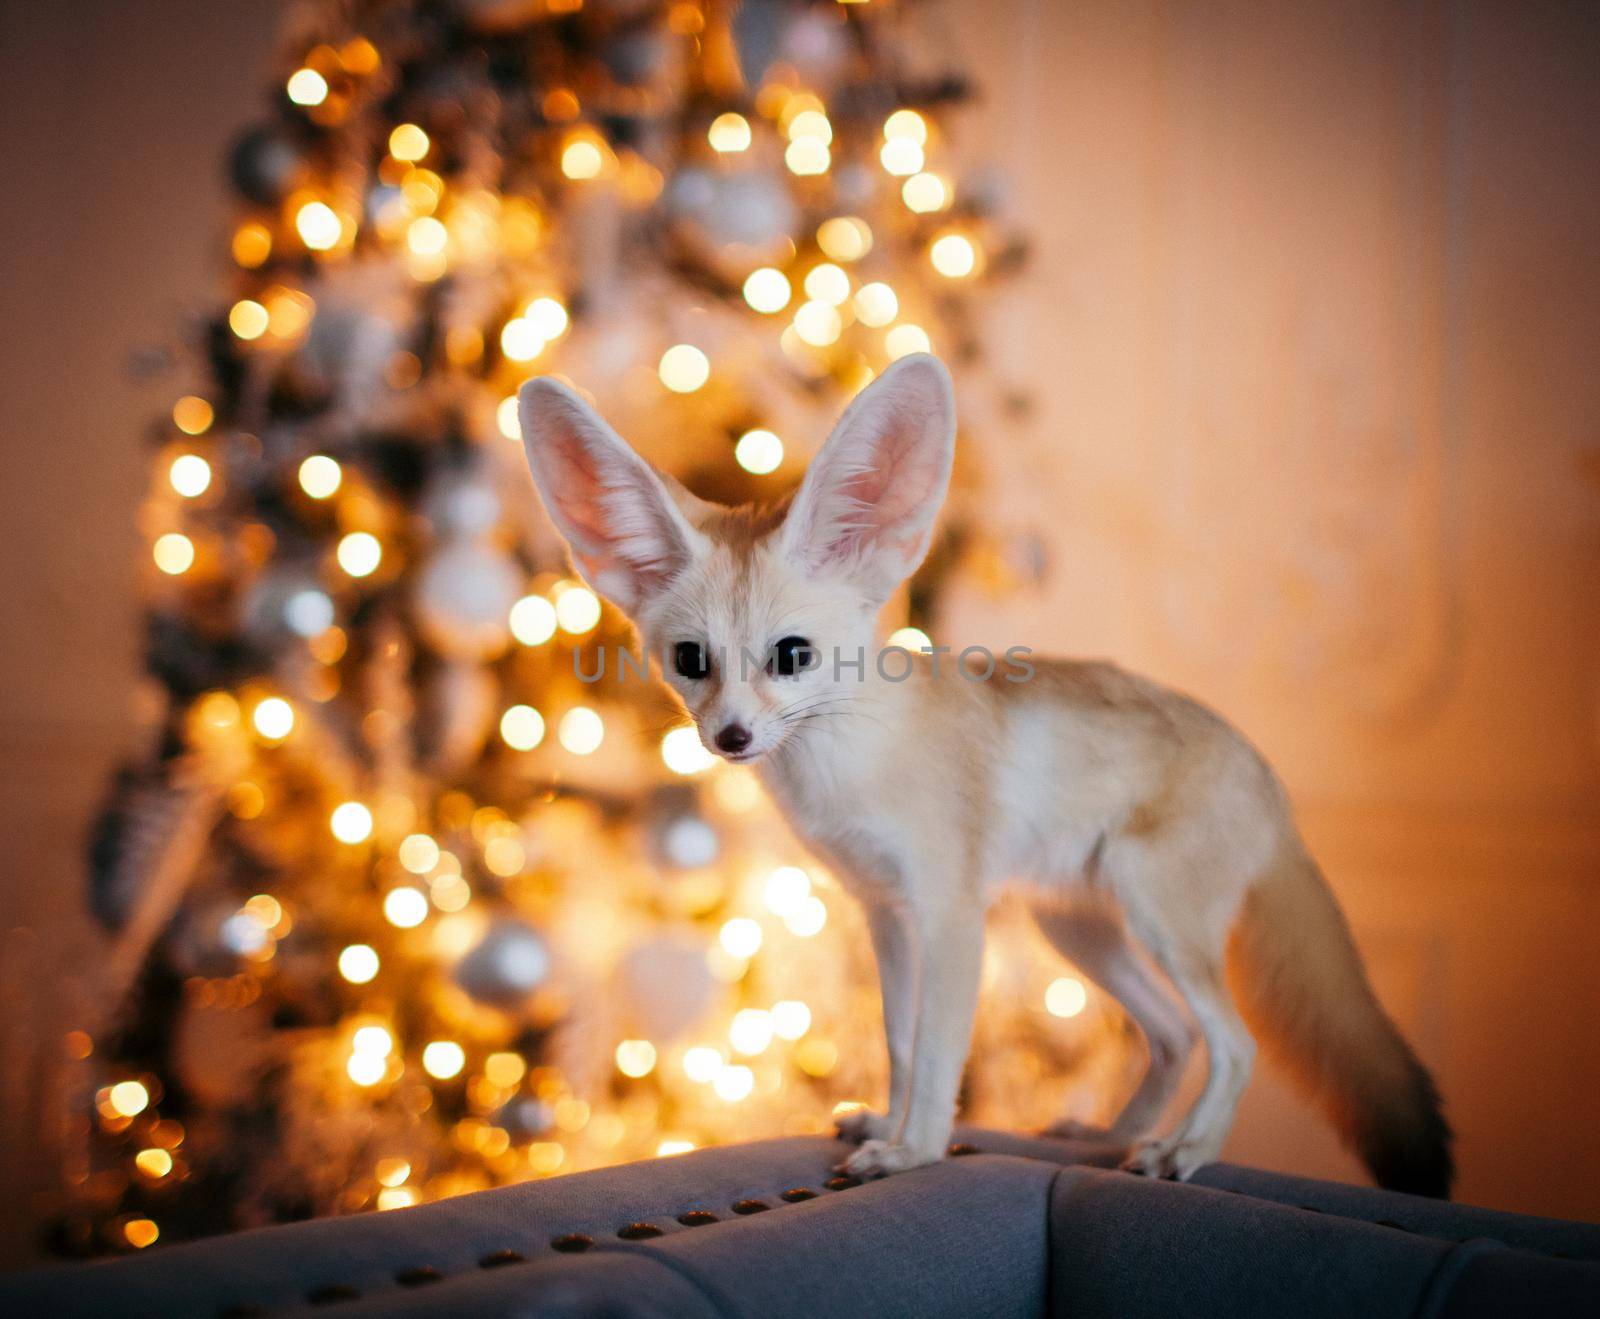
(1096, 942)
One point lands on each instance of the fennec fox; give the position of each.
(1133, 817)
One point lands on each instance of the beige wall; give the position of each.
(1311, 322)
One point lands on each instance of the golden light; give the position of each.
(318, 225)
(1066, 997)
(449, 892)
(507, 419)
(729, 132)
(129, 1098)
(786, 888)
(581, 731)
(273, 718)
(153, 1162)
(247, 318)
(192, 415)
(520, 341)
(522, 728)
(427, 236)
(750, 1032)
(767, 290)
(418, 853)
(683, 753)
(582, 159)
(359, 553)
(906, 339)
(548, 317)
(392, 1172)
(533, 620)
(807, 156)
(442, 1059)
(953, 256)
(577, 610)
(358, 963)
(351, 822)
(901, 156)
(817, 1057)
(289, 312)
(913, 639)
(504, 1069)
(818, 323)
(405, 907)
(828, 283)
(906, 124)
(252, 244)
(546, 1156)
(812, 125)
(190, 475)
(307, 87)
(667, 1148)
(173, 553)
(374, 1040)
(141, 1232)
(408, 143)
(925, 193)
(684, 368)
(807, 917)
(758, 452)
(395, 1197)
(733, 1082)
(366, 1069)
(636, 1057)
(845, 238)
(740, 937)
(876, 304)
(790, 1019)
(320, 476)
(702, 1063)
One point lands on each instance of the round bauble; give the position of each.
(463, 599)
(510, 962)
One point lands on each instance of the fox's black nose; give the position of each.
(733, 739)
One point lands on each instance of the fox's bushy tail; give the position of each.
(1301, 988)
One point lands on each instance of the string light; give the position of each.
(790, 1019)
(581, 731)
(359, 554)
(408, 143)
(925, 193)
(818, 323)
(740, 937)
(667, 1148)
(358, 963)
(427, 236)
(507, 419)
(405, 907)
(392, 1172)
(190, 475)
(750, 1032)
(876, 304)
(810, 125)
(307, 87)
(828, 283)
(766, 290)
(901, 155)
(418, 853)
(129, 1098)
(807, 156)
(636, 1057)
(807, 917)
(318, 225)
(520, 341)
(366, 1069)
(907, 124)
(533, 620)
(758, 452)
(734, 1082)
(702, 1063)
(548, 318)
(173, 553)
(351, 822)
(192, 415)
(729, 132)
(273, 718)
(953, 256)
(1066, 997)
(684, 368)
(153, 1162)
(442, 1059)
(577, 610)
(141, 1232)
(252, 244)
(913, 639)
(247, 318)
(683, 753)
(906, 339)
(582, 158)
(320, 476)
(522, 728)
(786, 888)
(845, 238)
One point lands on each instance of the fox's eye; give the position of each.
(690, 660)
(790, 655)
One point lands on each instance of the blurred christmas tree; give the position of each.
(403, 907)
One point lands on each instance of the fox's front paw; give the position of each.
(864, 1124)
(1170, 1157)
(879, 1158)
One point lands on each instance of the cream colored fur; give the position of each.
(1136, 821)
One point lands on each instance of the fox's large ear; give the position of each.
(867, 505)
(625, 525)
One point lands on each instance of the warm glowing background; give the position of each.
(1311, 319)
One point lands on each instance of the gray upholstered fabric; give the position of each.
(1023, 1227)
